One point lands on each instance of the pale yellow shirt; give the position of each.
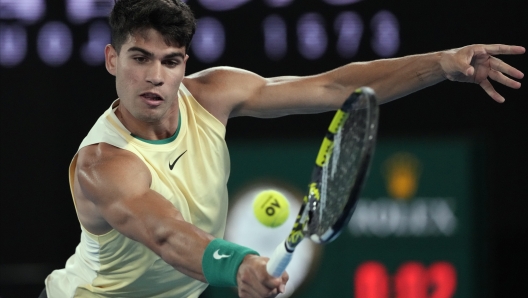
(112, 265)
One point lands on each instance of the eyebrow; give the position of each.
(150, 55)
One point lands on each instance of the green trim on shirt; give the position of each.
(162, 141)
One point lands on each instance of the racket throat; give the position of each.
(288, 247)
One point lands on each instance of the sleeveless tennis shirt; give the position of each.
(190, 170)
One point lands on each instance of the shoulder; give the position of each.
(221, 89)
(220, 74)
(103, 169)
(222, 81)
(103, 155)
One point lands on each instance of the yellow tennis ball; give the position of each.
(271, 208)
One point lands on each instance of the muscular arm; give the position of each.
(117, 183)
(112, 192)
(229, 92)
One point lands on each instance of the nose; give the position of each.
(155, 75)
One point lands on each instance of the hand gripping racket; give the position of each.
(340, 170)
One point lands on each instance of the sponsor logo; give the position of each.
(402, 172)
(171, 165)
(219, 256)
(422, 217)
(402, 214)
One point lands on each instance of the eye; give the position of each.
(140, 59)
(171, 63)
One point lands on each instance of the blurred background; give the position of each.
(447, 193)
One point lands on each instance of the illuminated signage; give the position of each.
(402, 214)
(54, 43)
(422, 217)
(411, 235)
(317, 33)
(411, 280)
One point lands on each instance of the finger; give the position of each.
(272, 282)
(242, 293)
(499, 77)
(499, 65)
(265, 289)
(248, 293)
(252, 286)
(285, 277)
(271, 286)
(257, 292)
(469, 71)
(502, 49)
(486, 85)
(273, 293)
(463, 65)
(275, 286)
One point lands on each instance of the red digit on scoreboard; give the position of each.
(371, 281)
(411, 281)
(443, 279)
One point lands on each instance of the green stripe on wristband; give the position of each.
(221, 260)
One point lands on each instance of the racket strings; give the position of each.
(341, 170)
(324, 187)
(336, 151)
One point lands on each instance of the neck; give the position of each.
(155, 130)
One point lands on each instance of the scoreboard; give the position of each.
(57, 33)
(413, 233)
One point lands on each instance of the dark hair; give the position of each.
(173, 19)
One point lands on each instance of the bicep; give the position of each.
(119, 188)
(281, 96)
(243, 93)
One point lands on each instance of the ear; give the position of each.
(111, 59)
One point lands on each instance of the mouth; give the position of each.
(152, 98)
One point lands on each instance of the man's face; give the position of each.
(148, 74)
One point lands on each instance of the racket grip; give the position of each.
(279, 260)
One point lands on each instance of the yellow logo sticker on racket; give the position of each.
(324, 152)
(314, 191)
(337, 121)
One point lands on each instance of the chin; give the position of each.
(148, 117)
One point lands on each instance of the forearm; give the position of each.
(153, 221)
(182, 245)
(192, 251)
(390, 78)
(203, 257)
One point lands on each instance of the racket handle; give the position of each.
(279, 260)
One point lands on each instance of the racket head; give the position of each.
(341, 167)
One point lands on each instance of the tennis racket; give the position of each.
(340, 170)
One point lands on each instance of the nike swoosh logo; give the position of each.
(171, 165)
(218, 256)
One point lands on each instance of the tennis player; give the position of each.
(149, 180)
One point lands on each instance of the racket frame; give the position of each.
(283, 254)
